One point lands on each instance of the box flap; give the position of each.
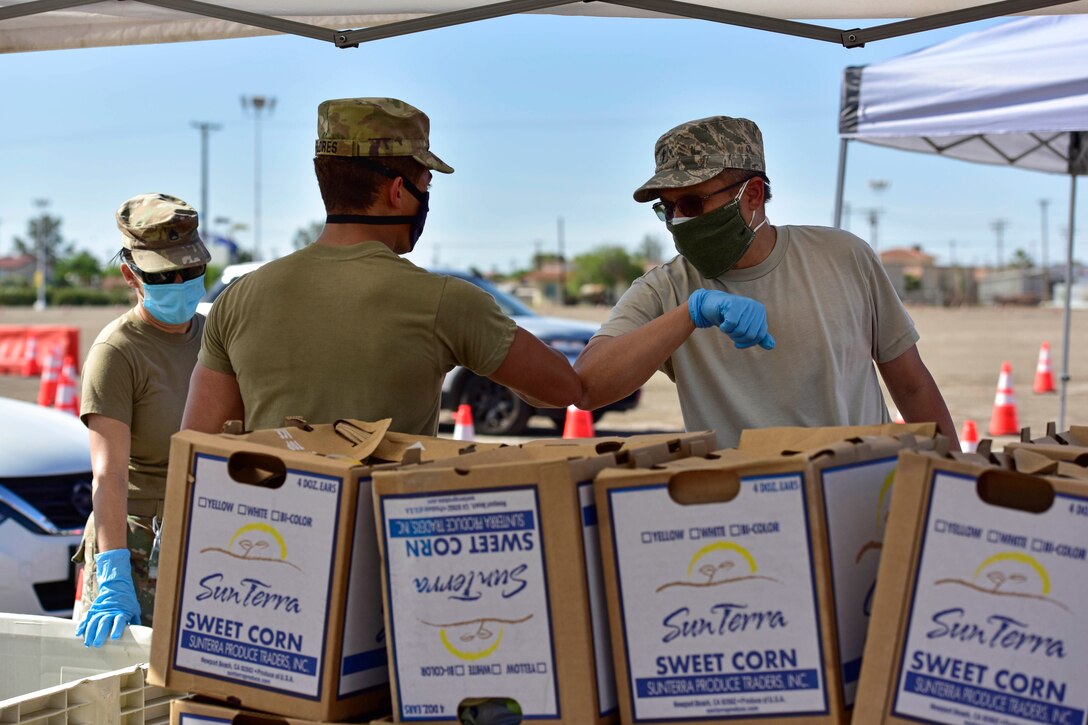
(802, 440)
(355, 439)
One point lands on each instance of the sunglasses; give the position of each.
(689, 205)
(189, 273)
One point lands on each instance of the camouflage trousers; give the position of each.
(141, 537)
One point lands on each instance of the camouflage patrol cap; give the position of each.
(696, 151)
(375, 127)
(160, 231)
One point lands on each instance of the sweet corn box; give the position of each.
(853, 470)
(738, 585)
(980, 599)
(269, 573)
(492, 581)
(710, 572)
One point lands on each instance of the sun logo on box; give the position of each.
(882, 504)
(475, 639)
(1009, 574)
(719, 564)
(255, 542)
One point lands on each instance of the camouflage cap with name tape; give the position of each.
(696, 151)
(375, 127)
(161, 232)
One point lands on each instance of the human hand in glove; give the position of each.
(744, 320)
(116, 606)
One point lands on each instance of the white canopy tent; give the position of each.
(1015, 94)
(55, 24)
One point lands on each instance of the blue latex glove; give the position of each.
(116, 606)
(744, 320)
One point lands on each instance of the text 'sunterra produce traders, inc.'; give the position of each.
(469, 567)
(718, 601)
(1004, 582)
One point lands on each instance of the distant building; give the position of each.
(918, 280)
(547, 282)
(1012, 286)
(18, 268)
(914, 275)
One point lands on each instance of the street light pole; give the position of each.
(998, 225)
(879, 186)
(259, 105)
(39, 275)
(205, 129)
(562, 261)
(1043, 204)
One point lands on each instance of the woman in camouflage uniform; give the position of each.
(134, 386)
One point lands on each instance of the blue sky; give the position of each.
(543, 117)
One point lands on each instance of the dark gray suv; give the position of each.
(495, 409)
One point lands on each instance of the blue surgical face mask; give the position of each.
(174, 303)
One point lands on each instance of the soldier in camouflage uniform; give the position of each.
(134, 386)
(348, 328)
(802, 313)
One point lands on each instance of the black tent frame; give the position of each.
(852, 38)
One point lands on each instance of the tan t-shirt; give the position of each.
(832, 312)
(351, 332)
(139, 375)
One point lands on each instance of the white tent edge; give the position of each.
(144, 21)
(1076, 158)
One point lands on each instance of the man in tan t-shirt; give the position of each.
(347, 328)
(802, 312)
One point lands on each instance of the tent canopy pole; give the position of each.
(257, 20)
(352, 38)
(1066, 316)
(840, 184)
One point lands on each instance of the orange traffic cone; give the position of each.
(969, 436)
(463, 429)
(31, 366)
(47, 388)
(579, 423)
(1004, 420)
(67, 397)
(1044, 376)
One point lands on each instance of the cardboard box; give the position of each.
(1071, 446)
(729, 602)
(979, 609)
(853, 469)
(203, 711)
(492, 583)
(269, 573)
(707, 597)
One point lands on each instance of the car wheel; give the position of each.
(495, 408)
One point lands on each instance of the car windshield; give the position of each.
(509, 304)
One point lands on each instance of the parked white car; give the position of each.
(496, 410)
(45, 497)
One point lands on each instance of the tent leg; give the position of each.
(840, 183)
(1069, 274)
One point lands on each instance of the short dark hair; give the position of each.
(736, 176)
(349, 184)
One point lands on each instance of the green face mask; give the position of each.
(715, 241)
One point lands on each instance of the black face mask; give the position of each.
(417, 221)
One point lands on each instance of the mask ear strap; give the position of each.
(390, 174)
(749, 224)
